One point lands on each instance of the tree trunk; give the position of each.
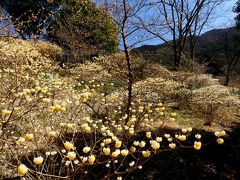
(192, 51)
(130, 77)
(227, 77)
(177, 60)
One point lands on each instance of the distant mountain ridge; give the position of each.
(216, 35)
(209, 48)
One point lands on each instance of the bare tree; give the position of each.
(176, 20)
(232, 55)
(5, 24)
(199, 23)
(125, 13)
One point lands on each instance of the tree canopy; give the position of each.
(73, 24)
(84, 19)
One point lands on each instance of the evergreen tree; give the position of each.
(28, 16)
(73, 24)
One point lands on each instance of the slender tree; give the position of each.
(177, 20)
(199, 23)
(232, 55)
(125, 15)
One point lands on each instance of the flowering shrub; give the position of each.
(167, 90)
(86, 71)
(200, 80)
(48, 50)
(142, 69)
(213, 102)
(54, 126)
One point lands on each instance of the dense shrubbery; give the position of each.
(58, 126)
(84, 29)
(80, 27)
(48, 50)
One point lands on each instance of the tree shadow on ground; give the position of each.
(220, 162)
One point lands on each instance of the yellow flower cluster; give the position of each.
(220, 134)
(57, 107)
(68, 145)
(38, 160)
(197, 145)
(22, 169)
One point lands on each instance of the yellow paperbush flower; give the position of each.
(87, 129)
(159, 139)
(155, 145)
(198, 136)
(118, 144)
(106, 151)
(46, 100)
(22, 169)
(28, 136)
(86, 149)
(52, 134)
(68, 145)
(63, 109)
(148, 134)
(220, 141)
(107, 141)
(116, 153)
(182, 137)
(184, 130)
(57, 107)
(124, 152)
(91, 159)
(142, 144)
(38, 160)
(70, 125)
(71, 155)
(167, 135)
(173, 114)
(131, 132)
(189, 129)
(197, 145)
(146, 153)
(21, 140)
(132, 163)
(220, 133)
(51, 109)
(6, 112)
(172, 145)
(136, 143)
(133, 149)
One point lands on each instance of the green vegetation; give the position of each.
(78, 26)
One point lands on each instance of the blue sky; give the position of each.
(223, 17)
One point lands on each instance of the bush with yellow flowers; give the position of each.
(48, 50)
(57, 126)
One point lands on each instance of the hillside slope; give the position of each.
(210, 48)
